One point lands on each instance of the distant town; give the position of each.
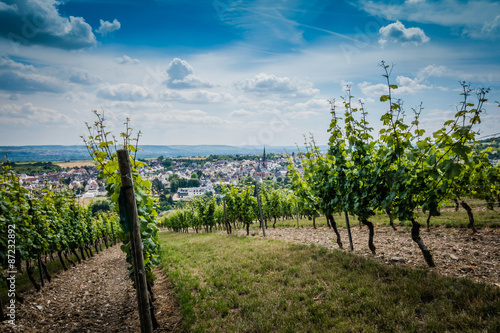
(173, 179)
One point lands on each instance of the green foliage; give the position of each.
(157, 186)
(102, 148)
(32, 168)
(205, 212)
(403, 169)
(100, 206)
(176, 182)
(46, 221)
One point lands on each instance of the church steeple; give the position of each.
(264, 162)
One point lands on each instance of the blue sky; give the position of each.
(235, 72)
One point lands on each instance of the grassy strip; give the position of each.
(449, 219)
(239, 284)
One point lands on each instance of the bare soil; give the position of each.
(94, 296)
(456, 252)
(97, 295)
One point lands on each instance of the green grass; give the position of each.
(242, 284)
(459, 219)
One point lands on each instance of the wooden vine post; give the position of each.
(297, 214)
(260, 209)
(40, 271)
(135, 241)
(348, 230)
(226, 221)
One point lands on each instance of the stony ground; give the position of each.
(94, 296)
(457, 252)
(97, 295)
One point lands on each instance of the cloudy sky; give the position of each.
(256, 72)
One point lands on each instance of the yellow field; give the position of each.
(77, 164)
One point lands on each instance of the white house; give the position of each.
(190, 192)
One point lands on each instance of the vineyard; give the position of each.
(49, 223)
(403, 173)
(402, 178)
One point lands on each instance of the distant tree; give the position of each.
(173, 177)
(246, 180)
(157, 186)
(174, 186)
(164, 202)
(78, 190)
(100, 206)
(66, 181)
(194, 182)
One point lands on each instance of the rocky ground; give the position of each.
(94, 296)
(97, 295)
(457, 252)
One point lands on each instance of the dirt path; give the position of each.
(95, 296)
(457, 252)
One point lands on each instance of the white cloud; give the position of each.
(369, 89)
(491, 26)
(83, 77)
(5, 7)
(28, 114)
(312, 104)
(18, 77)
(197, 96)
(294, 111)
(405, 85)
(139, 106)
(79, 98)
(39, 22)
(284, 86)
(433, 119)
(432, 70)
(268, 105)
(124, 92)
(345, 84)
(180, 76)
(241, 113)
(12, 97)
(397, 33)
(301, 114)
(182, 116)
(107, 27)
(125, 59)
(476, 17)
(408, 85)
(6, 63)
(263, 21)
